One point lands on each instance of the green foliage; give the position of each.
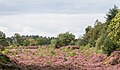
(5, 51)
(33, 53)
(99, 43)
(53, 52)
(113, 41)
(114, 29)
(48, 62)
(72, 53)
(109, 46)
(18, 40)
(26, 42)
(65, 49)
(112, 13)
(42, 54)
(96, 36)
(63, 39)
(32, 40)
(81, 48)
(81, 41)
(3, 41)
(88, 29)
(3, 59)
(43, 40)
(92, 34)
(72, 43)
(55, 43)
(66, 38)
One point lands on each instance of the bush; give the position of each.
(3, 41)
(99, 43)
(109, 46)
(63, 39)
(52, 52)
(72, 53)
(55, 43)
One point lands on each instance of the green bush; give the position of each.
(72, 53)
(63, 39)
(55, 43)
(109, 46)
(53, 52)
(3, 41)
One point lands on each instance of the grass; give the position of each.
(42, 55)
(81, 49)
(14, 54)
(72, 53)
(48, 62)
(52, 52)
(5, 51)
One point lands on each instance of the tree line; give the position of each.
(105, 36)
(62, 39)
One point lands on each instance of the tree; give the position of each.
(96, 36)
(113, 35)
(26, 42)
(66, 38)
(99, 42)
(92, 34)
(112, 13)
(18, 40)
(81, 41)
(3, 41)
(63, 39)
(88, 29)
(72, 43)
(114, 29)
(43, 40)
(55, 43)
(109, 46)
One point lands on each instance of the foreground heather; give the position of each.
(60, 59)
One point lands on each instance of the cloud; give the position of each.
(3, 29)
(56, 6)
(47, 24)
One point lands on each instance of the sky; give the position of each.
(51, 17)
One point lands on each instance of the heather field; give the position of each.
(64, 58)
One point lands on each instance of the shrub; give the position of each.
(63, 39)
(5, 51)
(48, 62)
(3, 41)
(72, 53)
(52, 52)
(55, 43)
(109, 46)
(81, 48)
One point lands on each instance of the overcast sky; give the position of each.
(51, 17)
